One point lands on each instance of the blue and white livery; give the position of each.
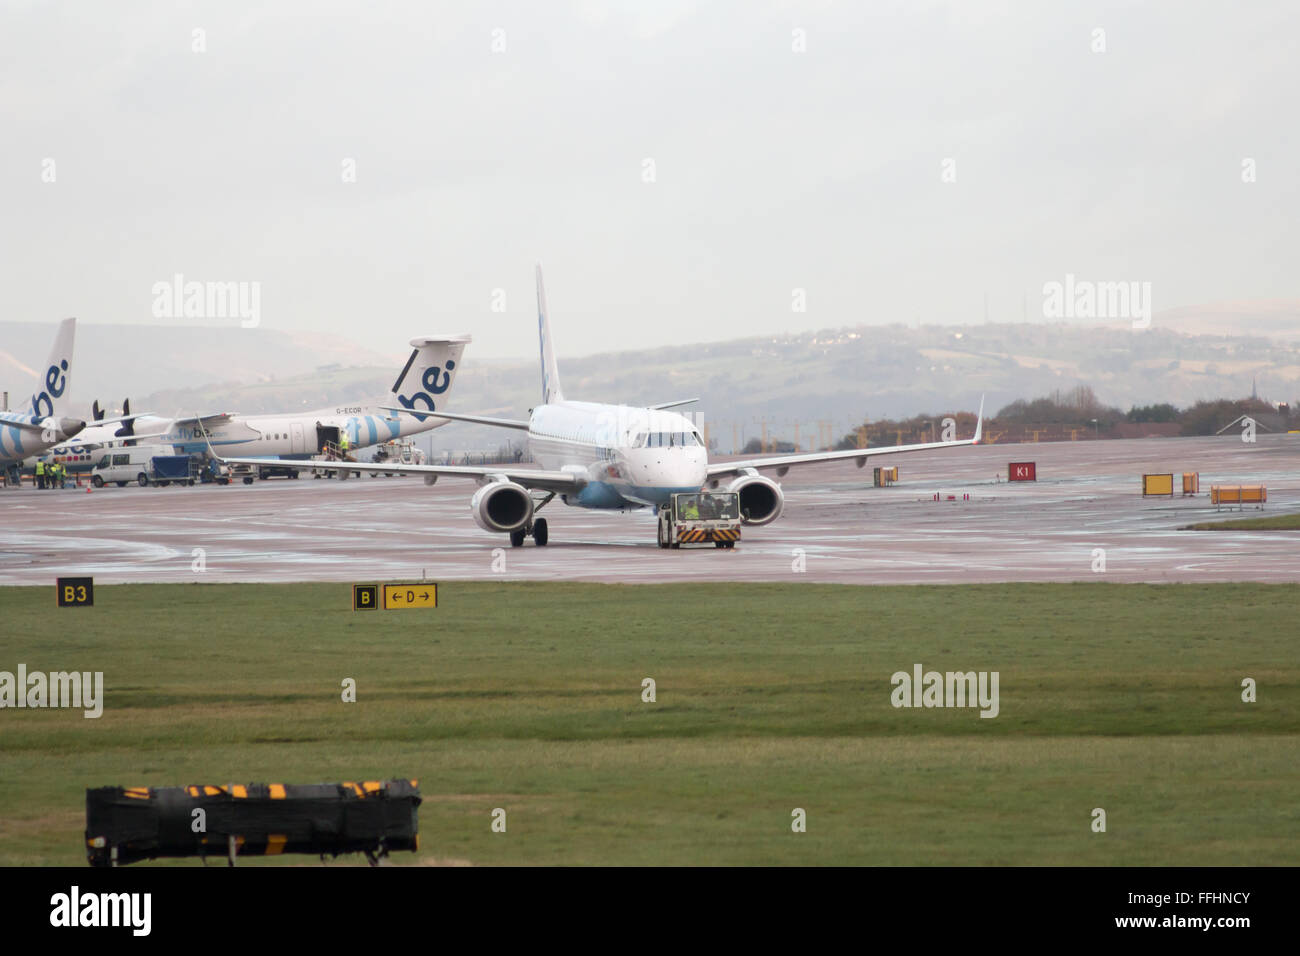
(38, 425)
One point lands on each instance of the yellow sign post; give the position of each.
(1161, 485)
(402, 596)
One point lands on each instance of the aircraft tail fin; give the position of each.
(425, 380)
(550, 371)
(53, 383)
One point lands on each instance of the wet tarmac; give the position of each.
(836, 526)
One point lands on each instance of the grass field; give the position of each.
(1266, 523)
(769, 697)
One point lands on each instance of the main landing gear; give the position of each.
(536, 528)
(538, 531)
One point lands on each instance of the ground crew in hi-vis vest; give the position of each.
(40, 473)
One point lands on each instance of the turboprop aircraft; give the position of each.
(424, 380)
(39, 426)
(612, 456)
(79, 452)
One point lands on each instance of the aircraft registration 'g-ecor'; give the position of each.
(610, 456)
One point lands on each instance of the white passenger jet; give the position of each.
(613, 456)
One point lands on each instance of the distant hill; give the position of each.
(836, 377)
(1278, 319)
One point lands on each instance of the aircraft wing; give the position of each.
(662, 405)
(96, 445)
(25, 424)
(216, 418)
(563, 481)
(120, 418)
(783, 462)
(141, 437)
(476, 419)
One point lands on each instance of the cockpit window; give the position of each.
(671, 439)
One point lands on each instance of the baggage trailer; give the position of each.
(276, 471)
(169, 470)
(214, 472)
(242, 473)
(700, 519)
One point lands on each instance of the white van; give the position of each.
(126, 464)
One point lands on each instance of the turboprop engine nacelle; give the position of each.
(761, 499)
(64, 427)
(502, 506)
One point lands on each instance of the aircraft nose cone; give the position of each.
(70, 426)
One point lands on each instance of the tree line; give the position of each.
(1077, 407)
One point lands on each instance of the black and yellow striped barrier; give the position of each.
(126, 824)
(700, 535)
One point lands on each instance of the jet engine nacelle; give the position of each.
(761, 499)
(502, 506)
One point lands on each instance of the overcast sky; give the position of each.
(775, 168)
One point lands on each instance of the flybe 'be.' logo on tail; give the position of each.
(435, 380)
(56, 380)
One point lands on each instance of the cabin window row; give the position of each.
(667, 440)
